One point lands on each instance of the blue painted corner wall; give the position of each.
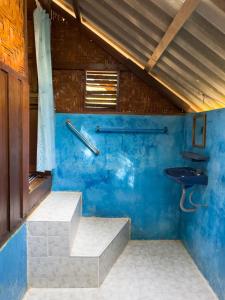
(13, 267)
(203, 232)
(126, 179)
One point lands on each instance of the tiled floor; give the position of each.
(146, 270)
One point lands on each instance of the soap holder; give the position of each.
(194, 156)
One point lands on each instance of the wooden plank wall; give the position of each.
(4, 149)
(14, 114)
(13, 149)
(16, 201)
(73, 52)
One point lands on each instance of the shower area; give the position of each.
(112, 150)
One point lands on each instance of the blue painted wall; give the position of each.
(203, 232)
(126, 179)
(13, 267)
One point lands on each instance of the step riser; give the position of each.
(52, 238)
(47, 243)
(112, 252)
(75, 223)
(76, 272)
(63, 272)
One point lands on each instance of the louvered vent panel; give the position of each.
(101, 89)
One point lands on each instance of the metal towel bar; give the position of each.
(82, 138)
(132, 130)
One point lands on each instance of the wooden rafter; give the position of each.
(114, 49)
(77, 10)
(220, 4)
(65, 6)
(179, 20)
(110, 47)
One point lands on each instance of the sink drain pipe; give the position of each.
(182, 201)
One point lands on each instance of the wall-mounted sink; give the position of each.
(187, 176)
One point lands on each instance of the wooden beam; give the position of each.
(130, 65)
(177, 99)
(65, 6)
(179, 20)
(111, 40)
(219, 3)
(77, 10)
(80, 66)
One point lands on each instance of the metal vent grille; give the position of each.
(101, 89)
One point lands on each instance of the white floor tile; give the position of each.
(146, 270)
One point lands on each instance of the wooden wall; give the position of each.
(12, 43)
(73, 52)
(14, 150)
(4, 184)
(13, 117)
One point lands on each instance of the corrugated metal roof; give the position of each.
(193, 64)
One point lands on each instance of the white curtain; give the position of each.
(46, 114)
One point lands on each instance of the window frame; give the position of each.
(102, 109)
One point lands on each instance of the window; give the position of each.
(101, 89)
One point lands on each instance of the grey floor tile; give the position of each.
(146, 270)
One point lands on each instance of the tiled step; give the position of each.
(103, 240)
(94, 235)
(51, 229)
(53, 225)
(65, 250)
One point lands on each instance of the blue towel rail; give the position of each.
(82, 138)
(131, 130)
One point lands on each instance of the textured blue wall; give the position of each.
(126, 179)
(13, 267)
(203, 232)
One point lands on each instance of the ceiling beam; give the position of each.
(219, 3)
(111, 48)
(65, 6)
(149, 79)
(77, 10)
(179, 20)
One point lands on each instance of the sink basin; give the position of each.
(187, 176)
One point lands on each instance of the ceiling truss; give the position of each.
(179, 44)
(178, 22)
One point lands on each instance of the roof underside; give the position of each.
(193, 63)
